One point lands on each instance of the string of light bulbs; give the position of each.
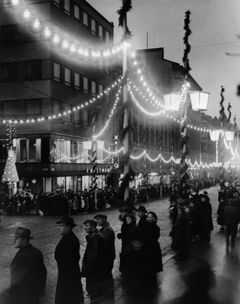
(57, 37)
(76, 108)
(100, 133)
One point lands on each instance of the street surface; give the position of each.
(46, 236)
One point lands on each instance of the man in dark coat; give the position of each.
(28, 272)
(109, 238)
(94, 266)
(231, 219)
(69, 286)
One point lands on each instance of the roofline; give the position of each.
(94, 9)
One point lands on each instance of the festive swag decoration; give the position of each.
(222, 109)
(229, 113)
(126, 7)
(186, 43)
(94, 156)
(184, 139)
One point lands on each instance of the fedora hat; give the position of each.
(142, 208)
(67, 220)
(24, 233)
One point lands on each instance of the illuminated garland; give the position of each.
(66, 113)
(57, 37)
(100, 133)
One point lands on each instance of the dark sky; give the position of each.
(215, 25)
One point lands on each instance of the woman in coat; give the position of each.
(151, 246)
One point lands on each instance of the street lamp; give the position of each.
(172, 102)
(199, 100)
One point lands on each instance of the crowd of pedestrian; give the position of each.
(140, 261)
(70, 202)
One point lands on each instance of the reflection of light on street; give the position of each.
(15, 225)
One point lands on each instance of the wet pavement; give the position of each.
(226, 265)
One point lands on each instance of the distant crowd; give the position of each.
(70, 203)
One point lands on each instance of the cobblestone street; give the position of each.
(46, 236)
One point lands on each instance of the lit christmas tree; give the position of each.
(10, 172)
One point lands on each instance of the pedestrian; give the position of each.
(28, 272)
(109, 238)
(152, 249)
(141, 212)
(129, 230)
(231, 219)
(205, 218)
(69, 285)
(180, 233)
(94, 266)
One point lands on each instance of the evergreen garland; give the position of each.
(187, 49)
(125, 8)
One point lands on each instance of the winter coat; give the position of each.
(231, 216)
(28, 276)
(220, 212)
(109, 241)
(94, 260)
(151, 247)
(128, 234)
(205, 217)
(69, 286)
(180, 234)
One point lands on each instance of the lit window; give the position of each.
(85, 84)
(67, 76)
(107, 36)
(94, 88)
(100, 31)
(76, 11)
(76, 81)
(100, 88)
(56, 71)
(85, 18)
(93, 26)
(67, 6)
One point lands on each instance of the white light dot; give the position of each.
(15, 2)
(73, 48)
(27, 14)
(36, 24)
(56, 38)
(47, 33)
(65, 44)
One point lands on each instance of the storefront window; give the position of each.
(28, 150)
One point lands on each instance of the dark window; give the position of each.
(10, 108)
(67, 76)
(77, 81)
(10, 34)
(56, 71)
(93, 26)
(56, 2)
(85, 18)
(3, 150)
(66, 6)
(100, 32)
(76, 11)
(10, 71)
(33, 70)
(85, 84)
(33, 107)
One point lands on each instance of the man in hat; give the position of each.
(94, 266)
(141, 212)
(69, 285)
(28, 272)
(109, 239)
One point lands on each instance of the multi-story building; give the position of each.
(38, 79)
(161, 135)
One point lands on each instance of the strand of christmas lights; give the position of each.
(57, 37)
(136, 66)
(113, 152)
(100, 133)
(65, 113)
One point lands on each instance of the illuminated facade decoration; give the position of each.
(37, 82)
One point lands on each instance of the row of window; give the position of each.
(42, 107)
(76, 80)
(76, 12)
(33, 71)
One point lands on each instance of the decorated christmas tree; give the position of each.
(10, 172)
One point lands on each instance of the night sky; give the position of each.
(215, 25)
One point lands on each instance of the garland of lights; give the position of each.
(57, 37)
(66, 113)
(100, 133)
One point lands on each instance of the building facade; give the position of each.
(38, 79)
